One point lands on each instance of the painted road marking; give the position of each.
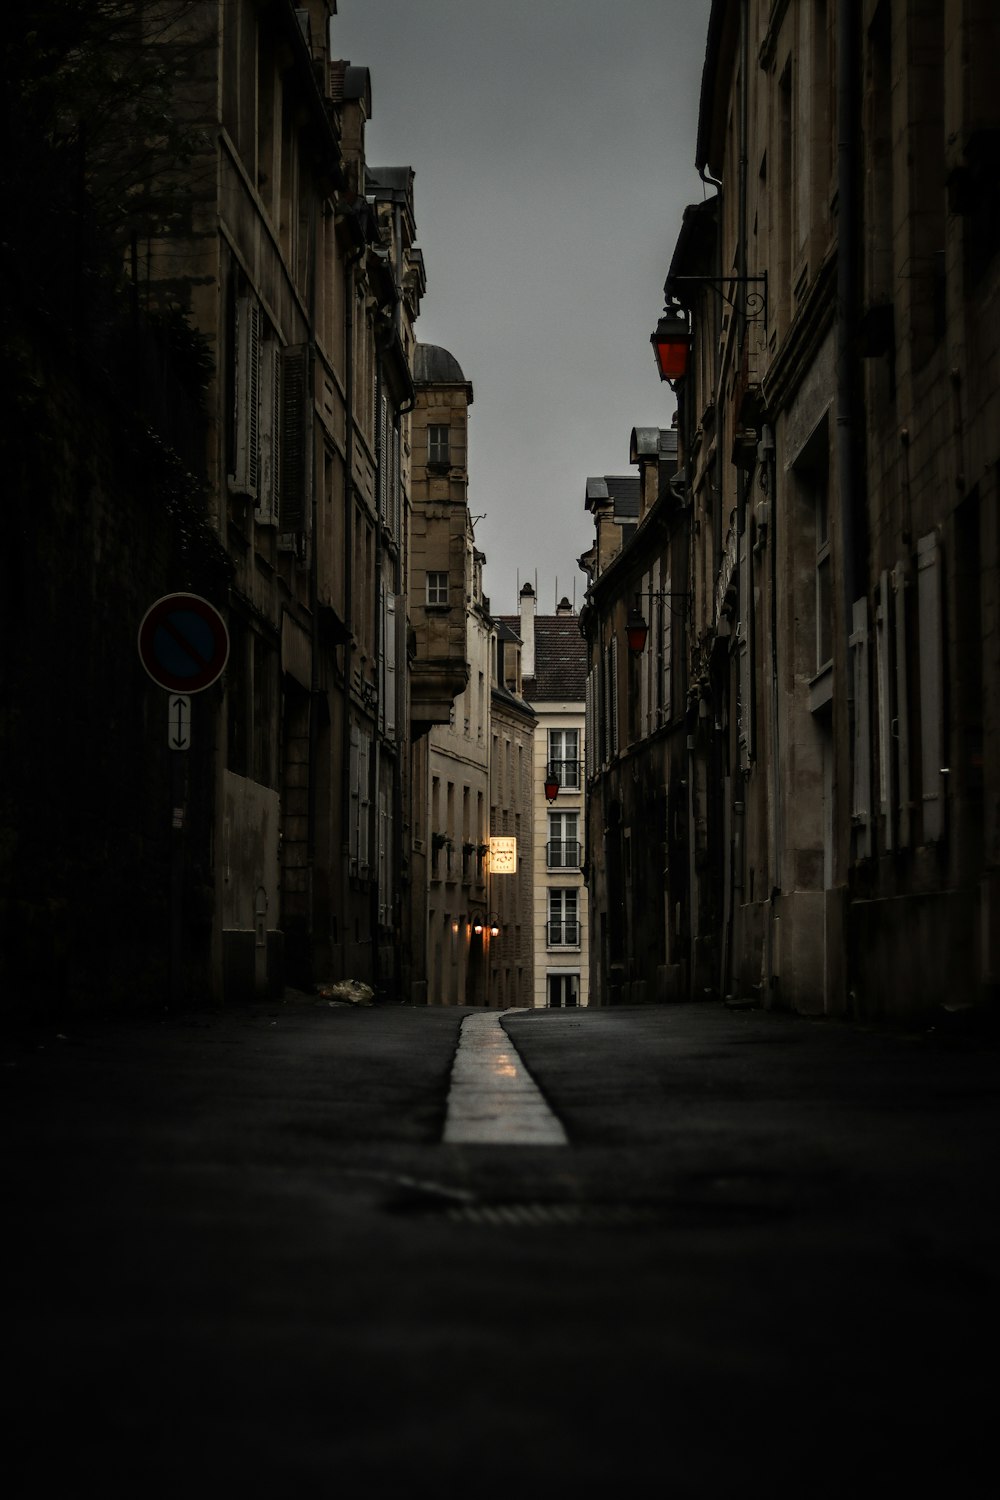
(493, 1101)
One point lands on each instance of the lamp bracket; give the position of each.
(754, 306)
(660, 595)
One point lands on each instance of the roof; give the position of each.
(560, 659)
(653, 443)
(433, 365)
(624, 490)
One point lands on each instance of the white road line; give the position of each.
(492, 1100)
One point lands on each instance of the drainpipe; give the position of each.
(311, 790)
(847, 291)
(345, 779)
(378, 708)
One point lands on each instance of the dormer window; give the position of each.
(437, 445)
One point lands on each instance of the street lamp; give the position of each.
(671, 344)
(636, 629)
(551, 785)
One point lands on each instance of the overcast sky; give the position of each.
(553, 144)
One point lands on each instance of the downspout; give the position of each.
(379, 648)
(345, 778)
(847, 291)
(735, 852)
(314, 688)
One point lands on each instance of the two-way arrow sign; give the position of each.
(179, 722)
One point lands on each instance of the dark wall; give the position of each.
(102, 518)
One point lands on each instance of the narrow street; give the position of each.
(765, 1256)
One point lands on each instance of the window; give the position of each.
(437, 445)
(824, 595)
(564, 926)
(564, 757)
(563, 848)
(437, 588)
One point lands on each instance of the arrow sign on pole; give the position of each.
(179, 722)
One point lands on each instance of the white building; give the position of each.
(554, 672)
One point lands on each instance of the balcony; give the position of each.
(562, 854)
(562, 934)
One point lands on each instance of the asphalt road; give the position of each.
(245, 1262)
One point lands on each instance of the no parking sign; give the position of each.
(183, 643)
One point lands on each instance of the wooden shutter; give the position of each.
(932, 741)
(883, 655)
(269, 492)
(666, 665)
(247, 456)
(745, 650)
(900, 726)
(613, 650)
(296, 435)
(389, 631)
(861, 797)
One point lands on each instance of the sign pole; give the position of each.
(178, 819)
(183, 646)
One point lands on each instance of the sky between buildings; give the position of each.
(553, 144)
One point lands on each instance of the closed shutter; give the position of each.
(354, 783)
(296, 435)
(861, 795)
(588, 732)
(606, 706)
(269, 492)
(613, 657)
(667, 662)
(389, 630)
(932, 742)
(886, 791)
(901, 724)
(745, 649)
(247, 425)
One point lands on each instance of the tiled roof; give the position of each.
(622, 489)
(560, 661)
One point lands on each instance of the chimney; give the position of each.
(527, 631)
(564, 607)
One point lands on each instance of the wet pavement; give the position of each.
(248, 1259)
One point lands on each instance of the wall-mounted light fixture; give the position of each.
(673, 339)
(672, 343)
(551, 785)
(636, 628)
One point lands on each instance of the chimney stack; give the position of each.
(527, 631)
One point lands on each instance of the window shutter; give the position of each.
(295, 438)
(269, 490)
(355, 798)
(383, 461)
(666, 663)
(364, 803)
(745, 659)
(389, 629)
(901, 724)
(932, 743)
(861, 799)
(613, 658)
(885, 742)
(247, 459)
(588, 718)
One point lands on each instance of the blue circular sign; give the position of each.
(183, 643)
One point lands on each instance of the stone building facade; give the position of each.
(512, 793)
(553, 675)
(837, 427)
(449, 652)
(290, 275)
